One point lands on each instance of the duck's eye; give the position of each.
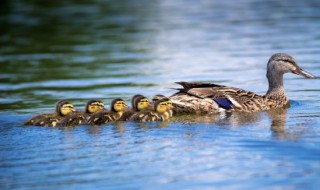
(120, 103)
(286, 60)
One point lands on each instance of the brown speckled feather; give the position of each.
(48, 120)
(200, 99)
(103, 117)
(145, 116)
(73, 119)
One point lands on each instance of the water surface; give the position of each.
(106, 49)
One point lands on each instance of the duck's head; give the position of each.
(281, 63)
(94, 106)
(169, 104)
(64, 107)
(162, 106)
(134, 98)
(157, 97)
(141, 103)
(118, 105)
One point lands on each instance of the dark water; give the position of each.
(79, 50)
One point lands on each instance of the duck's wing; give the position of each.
(226, 97)
(145, 116)
(43, 120)
(201, 90)
(97, 118)
(102, 117)
(127, 114)
(245, 101)
(197, 84)
(73, 119)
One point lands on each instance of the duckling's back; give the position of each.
(103, 117)
(145, 116)
(49, 120)
(73, 119)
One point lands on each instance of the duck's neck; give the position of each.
(276, 88)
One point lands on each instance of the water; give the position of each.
(106, 49)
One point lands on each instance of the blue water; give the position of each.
(106, 49)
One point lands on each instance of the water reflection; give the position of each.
(278, 124)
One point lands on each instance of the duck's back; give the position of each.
(127, 114)
(103, 117)
(73, 119)
(210, 98)
(145, 116)
(49, 120)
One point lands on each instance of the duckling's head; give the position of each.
(64, 107)
(161, 106)
(169, 104)
(94, 106)
(141, 103)
(118, 104)
(134, 98)
(281, 63)
(157, 97)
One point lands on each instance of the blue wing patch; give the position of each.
(224, 103)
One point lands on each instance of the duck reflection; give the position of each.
(221, 119)
(231, 120)
(119, 126)
(278, 117)
(278, 124)
(153, 125)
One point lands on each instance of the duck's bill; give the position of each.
(303, 73)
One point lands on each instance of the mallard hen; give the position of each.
(212, 98)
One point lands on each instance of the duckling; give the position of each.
(169, 103)
(63, 108)
(160, 112)
(117, 106)
(139, 103)
(78, 117)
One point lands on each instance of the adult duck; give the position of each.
(212, 98)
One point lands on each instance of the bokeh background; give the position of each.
(80, 50)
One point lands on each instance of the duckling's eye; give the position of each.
(68, 106)
(120, 103)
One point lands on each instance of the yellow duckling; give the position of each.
(160, 112)
(63, 108)
(78, 117)
(169, 102)
(117, 106)
(139, 103)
